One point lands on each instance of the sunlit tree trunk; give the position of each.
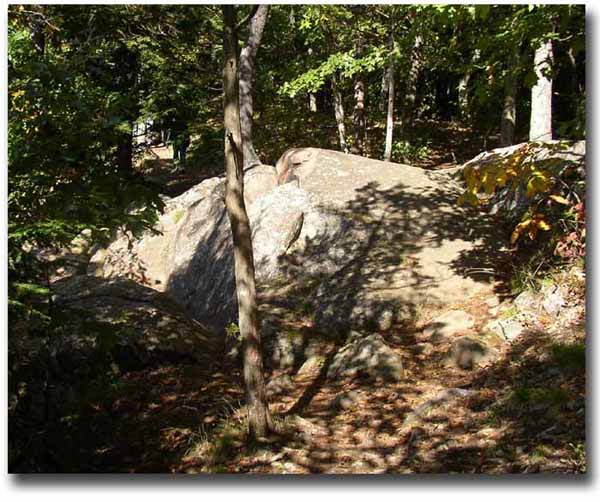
(389, 131)
(463, 96)
(411, 84)
(338, 106)
(359, 109)
(258, 413)
(540, 125)
(384, 88)
(247, 79)
(509, 110)
(312, 97)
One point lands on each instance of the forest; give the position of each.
(296, 239)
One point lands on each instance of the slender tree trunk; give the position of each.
(125, 153)
(312, 97)
(312, 102)
(463, 96)
(411, 84)
(359, 109)
(540, 125)
(509, 110)
(389, 132)
(385, 79)
(258, 413)
(338, 107)
(247, 79)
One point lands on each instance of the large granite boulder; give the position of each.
(101, 328)
(191, 258)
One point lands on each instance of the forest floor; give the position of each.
(503, 417)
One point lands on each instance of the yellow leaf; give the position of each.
(560, 200)
(543, 225)
(519, 229)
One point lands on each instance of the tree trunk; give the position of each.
(359, 109)
(540, 125)
(259, 421)
(247, 78)
(389, 132)
(463, 96)
(509, 110)
(338, 106)
(385, 79)
(411, 84)
(312, 102)
(125, 153)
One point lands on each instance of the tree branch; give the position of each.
(245, 20)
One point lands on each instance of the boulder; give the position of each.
(406, 240)
(192, 257)
(366, 355)
(258, 180)
(147, 259)
(101, 328)
(135, 324)
(289, 219)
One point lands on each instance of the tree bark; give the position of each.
(385, 78)
(125, 153)
(312, 97)
(259, 420)
(338, 107)
(411, 84)
(509, 110)
(540, 125)
(463, 96)
(247, 79)
(389, 132)
(359, 109)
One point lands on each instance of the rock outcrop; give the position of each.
(377, 239)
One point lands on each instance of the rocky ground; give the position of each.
(392, 342)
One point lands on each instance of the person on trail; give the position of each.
(180, 137)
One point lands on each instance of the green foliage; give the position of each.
(569, 357)
(404, 151)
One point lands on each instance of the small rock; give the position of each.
(367, 354)
(312, 365)
(385, 320)
(425, 348)
(527, 301)
(345, 400)
(467, 353)
(492, 301)
(553, 301)
(508, 329)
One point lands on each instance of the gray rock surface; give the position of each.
(135, 323)
(447, 324)
(508, 329)
(369, 355)
(380, 239)
(467, 353)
